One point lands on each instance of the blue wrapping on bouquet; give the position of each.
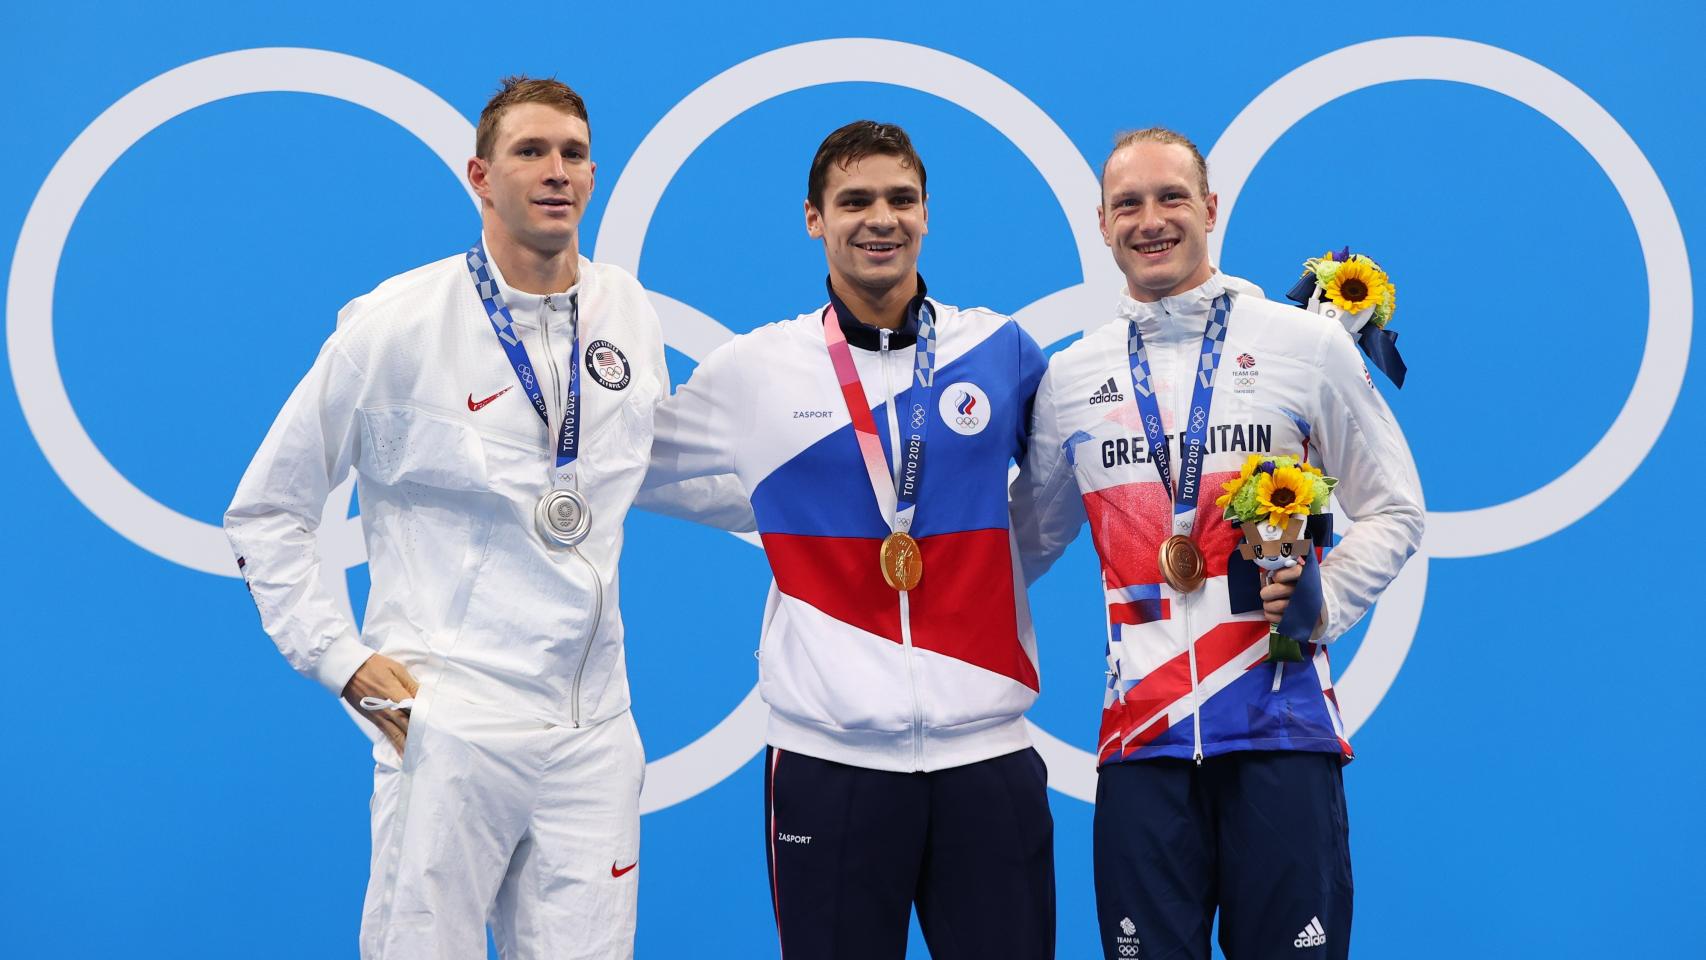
(1380, 345)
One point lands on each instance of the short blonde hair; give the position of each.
(521, 89)
(1160, 135)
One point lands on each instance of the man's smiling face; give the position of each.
(1156, 217)
(872, 223)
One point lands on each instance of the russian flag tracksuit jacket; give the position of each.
(853, 670)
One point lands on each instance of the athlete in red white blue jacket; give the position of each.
(1219, 771)
(874, 436)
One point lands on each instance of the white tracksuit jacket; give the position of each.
(414, 393)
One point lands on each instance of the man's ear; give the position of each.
(1211, 204)
(478, 171)
(814, 222)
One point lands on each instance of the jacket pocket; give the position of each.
(403, 445)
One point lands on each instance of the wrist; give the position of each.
(338, 663)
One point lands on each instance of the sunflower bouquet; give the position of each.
(1271, 500)
(1352, 289)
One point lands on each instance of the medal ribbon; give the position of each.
(1191, 440)
(569, 434)
(921, 393)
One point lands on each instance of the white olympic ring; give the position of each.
(728, 745)
(1580, 489)
(35, 268)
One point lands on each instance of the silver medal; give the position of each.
(563, 517)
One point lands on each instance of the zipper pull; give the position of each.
(884, 334)
(549, 303)
(1199, 758)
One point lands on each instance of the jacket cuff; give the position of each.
(338, 663)
(1323, 627)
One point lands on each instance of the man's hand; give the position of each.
(1277, 594)
(382, 677)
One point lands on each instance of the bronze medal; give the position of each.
(903, 565)
(1182, 564)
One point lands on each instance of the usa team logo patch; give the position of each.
(607, 365)
(964, 407)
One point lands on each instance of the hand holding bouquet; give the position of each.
(1272, 500)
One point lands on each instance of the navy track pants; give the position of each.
(1260, 835)
(851, 850)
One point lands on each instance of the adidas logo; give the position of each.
(1313, 935)
(1107, 393)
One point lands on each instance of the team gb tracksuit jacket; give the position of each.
(853, 670)
(1187, 676)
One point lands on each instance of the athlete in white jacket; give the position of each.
(1219, 783)
(496, 407)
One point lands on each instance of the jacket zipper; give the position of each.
(597, 584)
(905, 601)
(1196, 703)
(1186, 601)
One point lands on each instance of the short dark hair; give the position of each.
(1160, 135)
(523, 89)
(855, 142)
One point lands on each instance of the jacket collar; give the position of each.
(524, 307)
(866, 337)
(1182, 316)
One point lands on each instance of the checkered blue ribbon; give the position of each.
(1195, 432)
(920, 396)
(569, 434)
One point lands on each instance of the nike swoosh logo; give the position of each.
(616, 871)
(477, 404)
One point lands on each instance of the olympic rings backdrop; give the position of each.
(192, 192)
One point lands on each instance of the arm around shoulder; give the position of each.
(694, 442)
(1045, 507)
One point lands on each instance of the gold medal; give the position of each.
(903, 565)
(1182, 564)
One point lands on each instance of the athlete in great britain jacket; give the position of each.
(414, 393)
(854, 671)
(1186, 676)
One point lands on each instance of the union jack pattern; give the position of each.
(1171, 661)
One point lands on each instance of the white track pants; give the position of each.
(530, 826)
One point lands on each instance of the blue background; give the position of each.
(1529, 786)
